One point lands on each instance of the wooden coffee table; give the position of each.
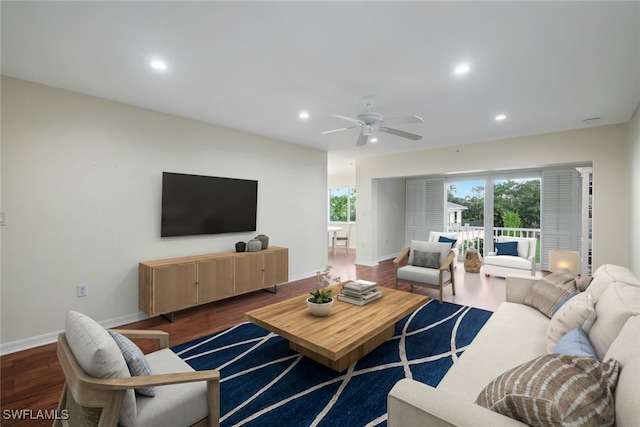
(347, 334)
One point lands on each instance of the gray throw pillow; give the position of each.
(426, 259)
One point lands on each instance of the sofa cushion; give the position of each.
(99, 356)
(555, 390)
(626, 350)
(575, 343)
(616, 304)
(607, 274)
(571, 315)
(136, 362)
(177, 404)
(426, 259)
(493, 351)
(506, 248)
(429, 276)
(550, 292)
(508, 261)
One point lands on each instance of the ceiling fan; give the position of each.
(370, 121)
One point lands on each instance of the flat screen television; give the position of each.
(196, 204)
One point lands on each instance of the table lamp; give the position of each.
(560, 259)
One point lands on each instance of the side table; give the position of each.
(472, 261)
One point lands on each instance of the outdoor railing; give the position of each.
(473, 237)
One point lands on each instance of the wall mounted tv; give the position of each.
(196, 204)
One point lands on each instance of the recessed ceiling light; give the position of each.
(500, 117)
(462, 69)
(374, 139)
(303, 115)
(159, 65)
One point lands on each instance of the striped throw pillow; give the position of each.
(136, 362)
(557, 390)
(550, 292)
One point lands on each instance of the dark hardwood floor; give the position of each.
(32, 379)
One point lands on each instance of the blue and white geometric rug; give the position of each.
(264, 383)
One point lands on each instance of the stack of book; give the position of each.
(359, 292)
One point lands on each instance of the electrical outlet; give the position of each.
(83, 290)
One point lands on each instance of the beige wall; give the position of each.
(634, 193)
(81, 186)
(605, 147)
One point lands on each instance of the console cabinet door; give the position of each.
(248, 270)
(215, 279)
(174, 287)
(276, 267)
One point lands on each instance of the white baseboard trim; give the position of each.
(367, 263)
(386, 257)
(51, 337)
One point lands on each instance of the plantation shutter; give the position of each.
(561, 212)
(425, 208)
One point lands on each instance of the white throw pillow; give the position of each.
(99, 356)
(573, 314)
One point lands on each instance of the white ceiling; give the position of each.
(254, 66)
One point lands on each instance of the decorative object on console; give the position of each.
(264, 240)
(472, 261)
(241, 247)
(254, 245)
(321, 301)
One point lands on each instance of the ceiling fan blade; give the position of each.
(337, 130)
(409, 119)
(402, 133)
(351, 119)
(362, 139)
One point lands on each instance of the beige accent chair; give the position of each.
(343, 240)
(503, 265)
(99, 389)
(416, 273)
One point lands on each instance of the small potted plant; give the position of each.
(321, 300)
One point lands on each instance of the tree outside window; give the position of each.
(342, 204)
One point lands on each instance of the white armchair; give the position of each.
(434, 236)
(523, 261)
(429, 264)
(99, 388)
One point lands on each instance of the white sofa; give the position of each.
(517, 333)
(503, 265)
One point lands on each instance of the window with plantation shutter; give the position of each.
(561, 212)
(425, 208)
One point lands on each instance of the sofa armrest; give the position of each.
(411, 403)
(518, 287)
